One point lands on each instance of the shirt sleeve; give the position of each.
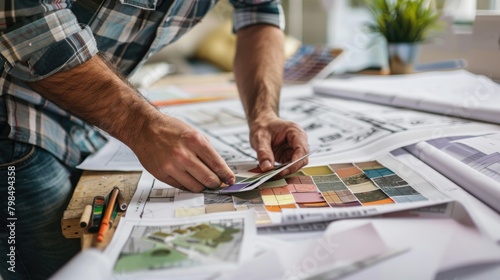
(249, 12)
(38, 40)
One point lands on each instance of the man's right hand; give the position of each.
(181, 156)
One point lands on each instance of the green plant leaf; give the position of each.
(402, 20)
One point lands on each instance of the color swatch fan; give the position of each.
(310, 62)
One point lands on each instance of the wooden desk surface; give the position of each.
(193, 79)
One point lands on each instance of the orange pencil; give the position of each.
(107, 214)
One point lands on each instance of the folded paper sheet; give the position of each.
(437, 246)
(328, 257)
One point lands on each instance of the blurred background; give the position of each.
(336, 24)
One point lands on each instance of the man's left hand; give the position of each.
(278, 140)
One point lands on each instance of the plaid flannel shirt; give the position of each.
(40, 38)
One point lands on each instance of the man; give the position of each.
(61, 74)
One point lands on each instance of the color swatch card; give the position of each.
(257, 180)
(310, 62)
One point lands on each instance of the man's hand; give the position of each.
(278, 140)
(180, 156)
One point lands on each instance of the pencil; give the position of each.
(107, 215)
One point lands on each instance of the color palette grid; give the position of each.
(340, 185)
(334, 185)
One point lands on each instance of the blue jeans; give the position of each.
(31, 243)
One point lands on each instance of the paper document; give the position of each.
(436, 246)
(451, 93)
(335, 191)
(198, 247)
(114, 156)
(339, 130)
(330, 256)
(472, 162)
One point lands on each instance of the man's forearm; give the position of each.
(258, 69)
(94, 92)
(172, 151)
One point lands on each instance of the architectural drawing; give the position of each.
(334, 126)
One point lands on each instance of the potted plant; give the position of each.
(404, 24)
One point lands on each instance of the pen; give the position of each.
(441, 65)
(113, 215)
(122, 205)
(107, 214)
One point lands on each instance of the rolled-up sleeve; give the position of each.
(43, 40)
(249, 12)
